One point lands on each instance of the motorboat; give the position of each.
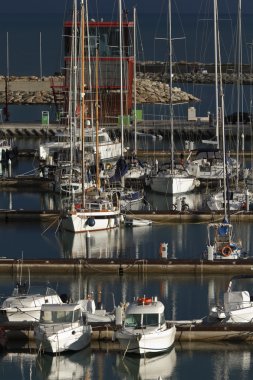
(135, 222)
(145, 330)
(92, 314)
(237, 305)
(61, 328)
(221, 244)
(24, 305)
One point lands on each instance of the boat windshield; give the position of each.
(141, 320)
(60, 316)
(24, 288)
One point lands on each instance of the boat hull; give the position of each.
(91, 221)
(58, 339)
(172, 184)
(143, 342)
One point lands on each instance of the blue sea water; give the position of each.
(185, 297)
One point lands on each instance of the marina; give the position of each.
(159, 253)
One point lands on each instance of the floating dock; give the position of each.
(123, 267)
(187, 331)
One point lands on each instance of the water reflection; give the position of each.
(157, 367)
(67, 366)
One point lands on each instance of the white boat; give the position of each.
(221, 244)
(95, 315)
(135, 222)
(237, 201)
(107, 148)
(207, 164)
(97, 214)
(25, 303)
(172, 182)
(61, 328)
(145, 330)
(237, 306)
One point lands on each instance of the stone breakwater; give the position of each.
(35, 90)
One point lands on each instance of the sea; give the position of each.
(185, 297)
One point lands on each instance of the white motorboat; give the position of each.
(25, 303)
(237, 305)
(95, 315)
(61, 328)
(221, 244)
(135, 222)
(145, 330)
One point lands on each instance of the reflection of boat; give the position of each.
(237, 301)
(26, 301)
(144, 329)
(61, 328)
(152, 368)
(68, 366)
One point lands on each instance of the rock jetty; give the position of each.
(35, 90)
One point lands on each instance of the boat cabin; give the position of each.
(66, 313)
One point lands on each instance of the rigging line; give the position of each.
(50, 225)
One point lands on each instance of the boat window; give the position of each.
(150, 319)
(162, 319)
(133, 320)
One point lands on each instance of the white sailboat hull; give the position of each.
(172, 184)
(101, 220)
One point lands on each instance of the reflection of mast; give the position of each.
(6, 111)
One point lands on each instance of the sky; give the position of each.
(187, 6)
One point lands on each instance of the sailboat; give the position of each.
(172, 180)
(98, 210)
(221, 244)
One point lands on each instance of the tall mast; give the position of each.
(82, 121)
(121, 79)
(135, 121)
(171, 105)
(239, 61)
(97, 121)
(216, 73)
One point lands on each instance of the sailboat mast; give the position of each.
(82, 121)
(217, 42)
(97, 121)
(121, 79)
(171, 105)
(135, 121)
(216, 73)
(239, 62)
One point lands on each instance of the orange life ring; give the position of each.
(144, 300)
(226, 251)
